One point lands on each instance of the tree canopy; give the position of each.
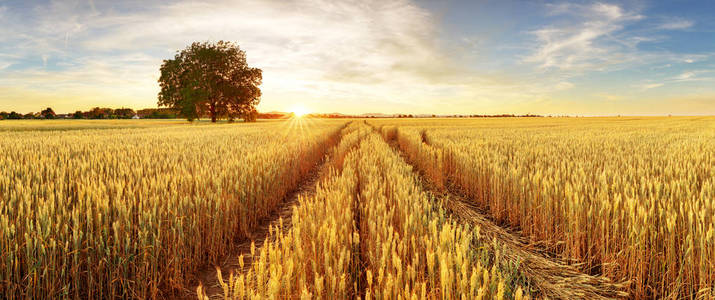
(210, 79)
(104, 113)
(48, 113)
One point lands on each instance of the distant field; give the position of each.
(44, 125)
(506, 208)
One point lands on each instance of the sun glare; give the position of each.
(300, 111)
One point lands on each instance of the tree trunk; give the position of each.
(212, 111)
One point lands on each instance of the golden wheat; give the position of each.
(315, 257)
(632, 198)
(370, 232)
(129, 213)
(129, 210)
(412, 249)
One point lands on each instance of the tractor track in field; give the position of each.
(550, 276)
(207, 277)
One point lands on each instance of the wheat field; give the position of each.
(630, 198)
(135, 209)
(130, 212)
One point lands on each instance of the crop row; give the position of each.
(131, 213)
(633, 200)
(371, 231)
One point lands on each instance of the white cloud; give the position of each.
(563, 85)
(693, 58)
(333, 55)
(610, 11)
(322, 40)
(677, 25)
(590, 43)
(319, 52)
(307, 49)
(45, 58)
(648, 86)
(702, 75)
(685, 76)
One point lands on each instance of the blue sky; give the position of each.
(546, 57)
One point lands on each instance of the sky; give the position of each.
(401, 56)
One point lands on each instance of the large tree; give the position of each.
(210, 79)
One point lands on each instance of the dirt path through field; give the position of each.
(549, 276)
(208, 276)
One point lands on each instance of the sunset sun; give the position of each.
(299, 111)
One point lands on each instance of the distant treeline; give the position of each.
(95, 113)
(338, 116)
(168, 113)
(502, 116)
(273, 116)
(118, 113)
(467, 116)
(331, 116)
(158, 113)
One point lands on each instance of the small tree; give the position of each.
(14, 116)
(100, 113)
(78, 115)
(210, 79)
(124, 113)
(48, 113)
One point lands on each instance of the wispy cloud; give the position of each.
(693, 58)
(326, 40)
(308, 49)
(322, 52)
(334, 55)
(563, 85)
(685, 76)
(648, 86)
(695, 75)
(588, 43)
(677, 25)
